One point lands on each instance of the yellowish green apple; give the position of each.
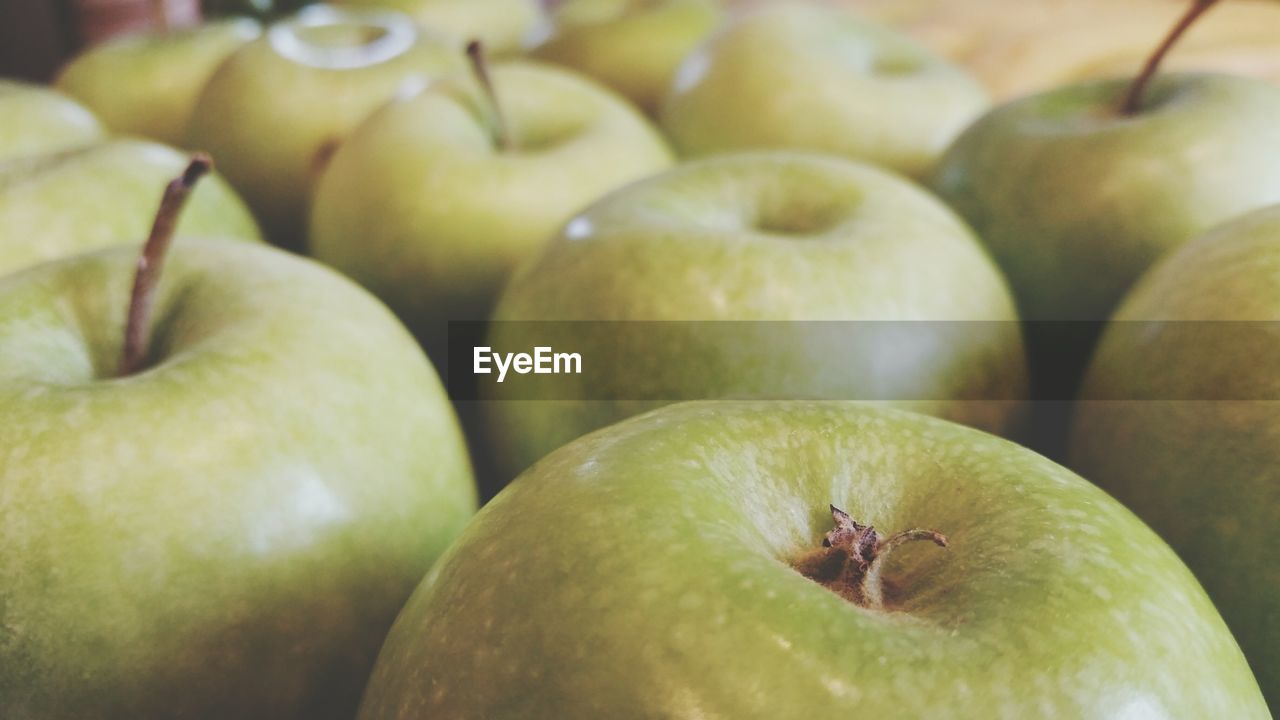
(35, 120)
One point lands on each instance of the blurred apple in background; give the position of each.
(633, 46)
(784, 237)
(277, 106)
(504, 26)
(428, 208)
(194, 536)
(148, 84)
(52, 206)
(1180, 419)
(662, 568)
(35, 120)
(810, 77)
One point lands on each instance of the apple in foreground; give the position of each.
(430, 209)
(53, 206)
(1180, 420)
(504, 26)
(148, 84)
(278, 106)
(673, 566)
(633, 46)
(845, 282)
(807, 77)
(218, 516)
(35, 120)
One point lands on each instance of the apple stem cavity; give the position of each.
(137, 333)
(480, 68)
(1137, 90)
(851, 557)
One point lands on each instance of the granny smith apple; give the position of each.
(56, 205)
(229, 532)
(427, 207)
(1184, 420)
(1076, 199)
(673, 566)
(504, 26)
(805, 76)
(35, 120)
(634, 46)
(147, 84)
(757, 275)
(277, 106)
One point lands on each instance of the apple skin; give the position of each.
(35, 120)
(148, 84)
(642, 572)
(784, 237)
(202, 540)
(633, 46)
(423, 209)
(1076, 201)
(504, 26)
(1204, 474)
(269, 119)
(812, 78)
(53, 206)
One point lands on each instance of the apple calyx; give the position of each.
(137, 333)
(852, 555)
(1137, 90)
(480, 68)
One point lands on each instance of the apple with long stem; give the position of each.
(1078, 190)
(435, 199)
(684, 564)
(218, 487)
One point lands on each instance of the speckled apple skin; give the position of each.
(1075, 201)
(230, 533)
(1204, 474)
(781, 239)
(642, 572)
(54, 206)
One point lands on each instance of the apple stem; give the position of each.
(137, 333)
(852, 555)
(480, 68)
(1137, 90)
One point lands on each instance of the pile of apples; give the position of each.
(825, 266)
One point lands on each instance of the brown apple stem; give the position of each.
(480, 67)
(851, 557)
(1138, 89)
(137, 332)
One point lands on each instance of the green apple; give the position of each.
(634, 46)
(1189, 433)
(148, 84)
(504, 26)
(818, 78)
(35, 120)
(775, 240)
(278, 106)
(1076, 199)
(230, 532)
(424, 206)
(53, 206)
(672, 567)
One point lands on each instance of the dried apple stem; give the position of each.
(137, 333)
(480, 67)
(1138, 89)
(852, 555)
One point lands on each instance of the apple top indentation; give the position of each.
(343, 39)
